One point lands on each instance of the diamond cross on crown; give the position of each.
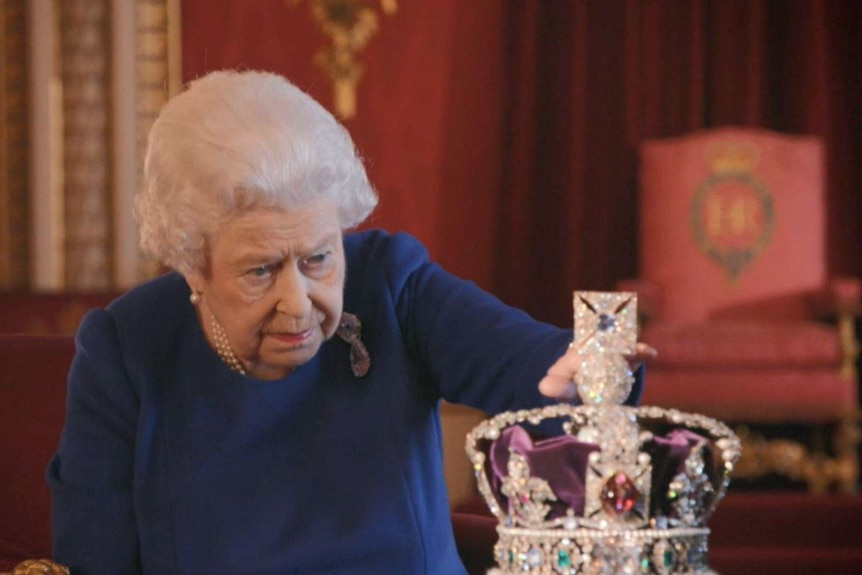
(605, 329)
(606, 321)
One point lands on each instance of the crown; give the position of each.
(732, 157)
(602, 488)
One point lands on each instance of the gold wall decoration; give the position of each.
(349, 24)
(14, 143)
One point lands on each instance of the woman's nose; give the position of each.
(293, 296)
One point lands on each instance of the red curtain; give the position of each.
(504, 134)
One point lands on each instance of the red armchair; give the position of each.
(48, 313)
(733, 283)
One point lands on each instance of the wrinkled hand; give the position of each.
(559, 383)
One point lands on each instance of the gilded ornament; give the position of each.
(40, 567)
(350, 25)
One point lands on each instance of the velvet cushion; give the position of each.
(693, 200)
(759, 396)
(743, 344)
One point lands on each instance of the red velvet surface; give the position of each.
(787, 519)
(744, 344)
(754, 395)
(475, 536)
(787, 534)
(784, 561)
(47, 313)
(32, 411)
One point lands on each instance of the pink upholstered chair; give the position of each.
(733, 285)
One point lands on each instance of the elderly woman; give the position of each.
(271, 406)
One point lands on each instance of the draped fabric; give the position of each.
(504, 134)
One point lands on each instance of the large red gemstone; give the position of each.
(619, 494)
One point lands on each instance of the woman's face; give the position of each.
(275, 283)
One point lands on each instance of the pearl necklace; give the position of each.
(223, 347)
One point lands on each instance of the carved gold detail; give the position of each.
(39, 567)
(732, 157)
(794, 461)
(350, 25)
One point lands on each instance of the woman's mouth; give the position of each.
(293, 339)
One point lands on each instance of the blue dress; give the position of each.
(171, 463)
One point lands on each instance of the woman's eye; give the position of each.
(260, 271)
(316, 259)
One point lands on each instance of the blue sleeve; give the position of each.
(91, 475)
(479, 351)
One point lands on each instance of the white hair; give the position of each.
(239, 140)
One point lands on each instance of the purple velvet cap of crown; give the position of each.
(562, 462)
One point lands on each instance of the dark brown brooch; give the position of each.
(350, 330)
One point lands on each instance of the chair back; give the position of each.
(33, 372)
(733, 223)
(48, 313)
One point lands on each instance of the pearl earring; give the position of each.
(195, 298)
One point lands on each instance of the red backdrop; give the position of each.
(504, 133)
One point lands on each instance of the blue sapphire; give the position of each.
(607, 322)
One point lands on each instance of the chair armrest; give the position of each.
(649, 297)
(841, 300)
(840, 296)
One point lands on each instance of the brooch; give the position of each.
(350, 330)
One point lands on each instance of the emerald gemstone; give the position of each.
(564, 559)
(668, 557)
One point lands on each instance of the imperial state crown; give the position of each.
(621, 490)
